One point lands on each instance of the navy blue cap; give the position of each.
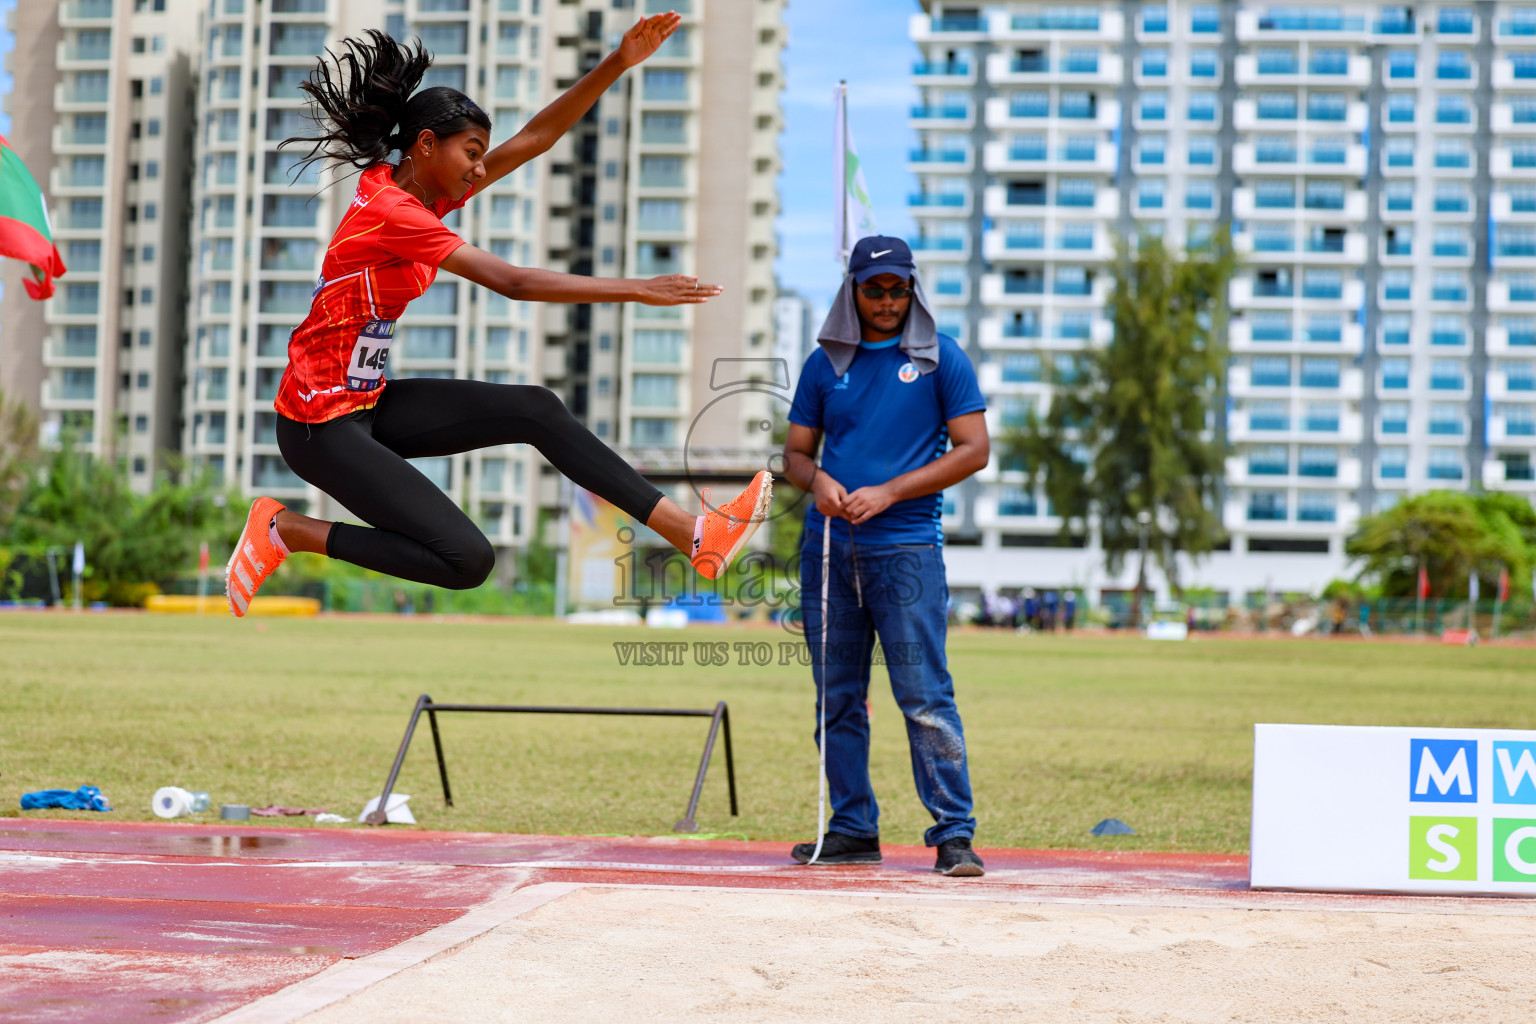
(880, 254)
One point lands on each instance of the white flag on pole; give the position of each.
(855, 212)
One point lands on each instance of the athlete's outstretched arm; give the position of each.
(535, 138)
(532, 285)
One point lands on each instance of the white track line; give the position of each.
(348, 977)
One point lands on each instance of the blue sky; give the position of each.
(7, 41)
(864, 42)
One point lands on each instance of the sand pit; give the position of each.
(642, 953)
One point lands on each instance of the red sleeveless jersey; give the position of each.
(384, 254)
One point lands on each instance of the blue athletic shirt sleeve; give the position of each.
(806, 409)
(959, 392)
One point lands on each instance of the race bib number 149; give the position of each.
(366, 368)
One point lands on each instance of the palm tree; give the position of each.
(1132, 437)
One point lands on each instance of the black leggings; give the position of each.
(420, 533)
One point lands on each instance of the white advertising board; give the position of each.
(1374, 809)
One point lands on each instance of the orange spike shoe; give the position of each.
(255, 557)
(722, 532)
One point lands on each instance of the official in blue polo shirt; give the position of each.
(894, 408)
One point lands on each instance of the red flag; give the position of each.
(202, 557)
(24, 230)
(1503, 584)
(1423, 582)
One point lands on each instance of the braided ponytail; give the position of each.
(365, 104)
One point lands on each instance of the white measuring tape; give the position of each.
(821, 730)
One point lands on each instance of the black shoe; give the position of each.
(840, 849)
(957, 859)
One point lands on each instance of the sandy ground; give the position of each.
(622, 954)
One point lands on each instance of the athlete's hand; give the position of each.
(830, 495)
(646, 36)
(867, 502)
(676, 290)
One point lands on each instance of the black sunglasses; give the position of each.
(901, 291)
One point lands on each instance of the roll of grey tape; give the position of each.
(235, 812)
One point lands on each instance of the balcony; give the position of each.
(939, 159)
(938, 201)
(1267, 512)
(1254, 70)
(1288, 21)
(1316, 513)
(88, 92)
(1319, 424)
(93, 47)
(1267, 467)
(1512, 115)
(1003, 114)
(950, 116)
(956, 70)
(1328, 379)
(77, 388)
(1014, 290)
(85, 10)
(954, 23)
(1250, 116)
(1519, 385)
(1269, 423)
(1023, 328)
(999, 201)
(1519, 429)
(923, 28)
(71, 138)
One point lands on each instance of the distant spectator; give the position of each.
(1069, 609)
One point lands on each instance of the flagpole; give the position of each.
(1473, 592)
(840, 169)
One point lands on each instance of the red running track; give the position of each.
(180, 923)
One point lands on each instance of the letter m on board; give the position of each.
(1443, 771)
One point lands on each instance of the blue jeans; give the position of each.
(899, 594)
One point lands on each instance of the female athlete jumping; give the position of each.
(342, 429)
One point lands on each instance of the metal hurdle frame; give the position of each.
(719, 716)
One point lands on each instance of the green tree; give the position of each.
(18, 455)
(133, 543)
(1451, 534)
(1131, 429)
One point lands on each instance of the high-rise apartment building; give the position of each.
(100, 112)
(261, 229)
(673, 172)
(193, 242)
(1373, 164)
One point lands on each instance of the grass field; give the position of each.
(1062, 732)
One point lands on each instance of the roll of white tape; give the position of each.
(172, 802)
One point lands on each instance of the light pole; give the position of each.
(1145, 519)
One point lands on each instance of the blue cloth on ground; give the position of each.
(86, 798)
